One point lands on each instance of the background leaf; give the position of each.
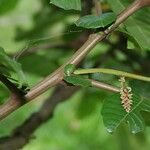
(67, 4)
(138, 88)
(7, 65)
(91, 21)
(7, 5)
(136, 25)
(114, 114)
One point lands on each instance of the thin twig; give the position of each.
(104, 86)
(98, 8)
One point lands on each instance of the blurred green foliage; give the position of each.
(7, 5)
(136, 25)
(77, 123)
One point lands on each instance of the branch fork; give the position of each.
(57, 76)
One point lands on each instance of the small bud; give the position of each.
(69, 69)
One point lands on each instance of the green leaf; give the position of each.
(136, 25)
(88, 103)
(114, 114)
(4, 71)
(69, 69)
(91, 21)
(78, 80)
(140, 87)
(7, 65)
(7, 5)
(67, 4)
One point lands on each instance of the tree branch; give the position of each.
(11, 86)
(104, 86)
(98, 8)
(56, 77)
(22, 134)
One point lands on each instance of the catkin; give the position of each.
(125, 95)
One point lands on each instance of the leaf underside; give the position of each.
(114, 114)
